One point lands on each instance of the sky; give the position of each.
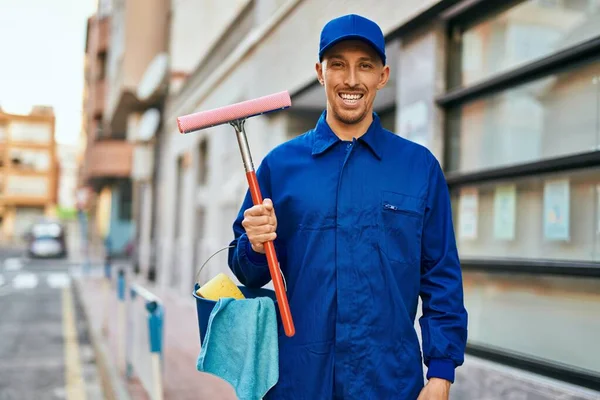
(42, 45)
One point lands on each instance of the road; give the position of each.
(45, 351)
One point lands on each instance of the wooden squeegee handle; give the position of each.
(282, 301)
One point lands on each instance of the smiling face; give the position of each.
(352, 73)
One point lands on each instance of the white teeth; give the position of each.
(350, 96)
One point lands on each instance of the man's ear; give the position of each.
(319, 69)
(384, 78)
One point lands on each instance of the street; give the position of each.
(45, 351)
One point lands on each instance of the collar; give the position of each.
(324, 137)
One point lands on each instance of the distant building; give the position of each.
(116, 161)
(28, 170)
(67, 176)
(105, 156)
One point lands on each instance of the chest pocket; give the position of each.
(401, 225)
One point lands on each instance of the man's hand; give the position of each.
(260, 224)
(435, 389)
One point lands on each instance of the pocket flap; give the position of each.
(393, 201)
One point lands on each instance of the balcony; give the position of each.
(108, 159)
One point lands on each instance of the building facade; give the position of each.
(506, 94)
(28, 170)
(115, 65)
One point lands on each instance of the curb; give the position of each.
(113, 386)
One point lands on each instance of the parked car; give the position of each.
(46, 239)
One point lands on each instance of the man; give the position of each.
(362, 226)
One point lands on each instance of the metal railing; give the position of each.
(140, 335)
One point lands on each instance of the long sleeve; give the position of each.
(251, 268)
(444, 319)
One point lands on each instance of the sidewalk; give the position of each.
(477, 379)
(181, 345)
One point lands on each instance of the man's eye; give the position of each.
(367, 66)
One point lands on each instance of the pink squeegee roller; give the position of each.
(233, 112)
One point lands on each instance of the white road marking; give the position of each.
(58, 280)
(25, 281)
(13, 264)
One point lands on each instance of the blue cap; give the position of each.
(352, 26)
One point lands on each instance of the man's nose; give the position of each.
(351, 77)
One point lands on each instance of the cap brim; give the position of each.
(352, 37)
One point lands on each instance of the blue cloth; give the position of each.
(364, 228)
(240, 346)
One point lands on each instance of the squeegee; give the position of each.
(236, 115)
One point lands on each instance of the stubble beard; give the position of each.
(349, 119)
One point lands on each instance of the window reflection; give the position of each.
(543, 217)
(529, 31)
(551, 117)
(550, 318)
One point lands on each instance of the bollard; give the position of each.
(83, 226)
(155, 327)
(154, 318)
(121, 285)
(121, 316)
(107, 286)
(129, 338)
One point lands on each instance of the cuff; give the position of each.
(254, 257)
(441, 368)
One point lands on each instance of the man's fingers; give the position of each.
(268, 204)
(259, 210)
(254, 211)
(262, 238)
(260, 223)
(254, 231)
(256, 221)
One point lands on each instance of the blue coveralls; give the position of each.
(364, 228)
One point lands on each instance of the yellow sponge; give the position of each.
(218, 287)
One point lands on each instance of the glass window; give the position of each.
(29, 186)
(528, 31)
(31, 132)
(28, 159)
(554, 319)
(417, 80)
(202, 172)
(554, 116)
(542, 217)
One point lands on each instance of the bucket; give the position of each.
(205, 306)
